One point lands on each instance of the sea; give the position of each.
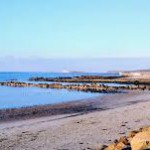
(16, 97)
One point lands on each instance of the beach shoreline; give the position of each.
(84, 130)
(98, 103)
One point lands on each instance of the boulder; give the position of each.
(141, 141)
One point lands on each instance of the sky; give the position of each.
(74, 29)
(83, 65)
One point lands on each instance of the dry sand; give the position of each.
(124, 112)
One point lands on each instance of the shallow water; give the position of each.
(24, 76)
(11, 97)
(116, 84)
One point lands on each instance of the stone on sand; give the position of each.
(141, 141)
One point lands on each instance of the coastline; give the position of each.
(98, 103)
(121, 113)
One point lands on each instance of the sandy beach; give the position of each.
(79, 131)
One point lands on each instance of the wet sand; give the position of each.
(116, 114)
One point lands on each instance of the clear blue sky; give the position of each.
(75, 28)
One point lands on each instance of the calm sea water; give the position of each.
(20, 97)
(24, 76)
(11, 97)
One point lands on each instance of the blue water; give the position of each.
(24, 76)
(11, 97)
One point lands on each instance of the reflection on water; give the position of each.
(11, 97)
(19, 97)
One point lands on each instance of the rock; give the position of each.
(120, 146)
(141, 141)
(146, 128)
(132, 133)
(101, 147)
(136, 140)
(127, 148)
(111, 147)
(124, 140)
